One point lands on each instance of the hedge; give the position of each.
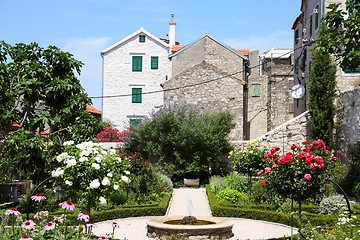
(265, 212)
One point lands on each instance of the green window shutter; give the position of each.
(311, 25)
(137, 63)
(136, 95)
(141, 38)
(134, 122)
(154, 62)
(255, 90)
(316, 17)
(352, 70)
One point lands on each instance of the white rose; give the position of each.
(127, 172)
(109, 174)
(112, 151)
(94, 184)
(116, 187)
(118, 159)
(62, 156)
(96, 166)
(125, 179)
(69, 183)
(102, 200)
(68, 143)
(105, 181)
(84, 152)
(98, 158)
(57, 172)
(70, 162)
(83, 159)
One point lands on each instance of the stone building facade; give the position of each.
(133, 66)
(209, 75)
(306, 31)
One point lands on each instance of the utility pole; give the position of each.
(246, 71)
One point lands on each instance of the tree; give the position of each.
(184, 142)
(40, 92)
(340, 34)
(322, 95)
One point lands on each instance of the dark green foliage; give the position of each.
(184, 142)
(322, 95)
(40, 92)
(340, 34)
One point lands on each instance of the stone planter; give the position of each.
(12, 190)
(192, 182)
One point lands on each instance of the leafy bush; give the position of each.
(335, 204)
(237, 182)
(231, 196)
(184, 142)
(217, 184)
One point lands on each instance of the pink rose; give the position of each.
(307, 177)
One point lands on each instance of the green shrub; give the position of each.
(184, 142)
(335, 204)
(217, 184)
(231, 196)
(236, 182)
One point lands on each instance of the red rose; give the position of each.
(293, 147)
(260, 172)
(307, 177)
(334, 159)
(263, 183)
(267, 170)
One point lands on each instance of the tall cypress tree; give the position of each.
(322, 87)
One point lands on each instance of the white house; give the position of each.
(133, 70)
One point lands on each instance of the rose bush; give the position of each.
(299, 173)
(111, 134)
(88, 171)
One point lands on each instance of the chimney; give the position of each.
(172, 32)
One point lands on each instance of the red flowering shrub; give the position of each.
(300, 173)
(110, 134)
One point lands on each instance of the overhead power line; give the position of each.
(192, 85)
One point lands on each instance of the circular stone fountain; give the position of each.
(199, 228)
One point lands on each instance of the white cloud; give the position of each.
(279, 39)
(88, 51)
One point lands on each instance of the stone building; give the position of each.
(270, 100)
(306, 31)
(133, 66)
(209, 75)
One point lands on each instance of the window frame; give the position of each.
(142, 38)
(136, 95)
(137, 63)
(154, 62)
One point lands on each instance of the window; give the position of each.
(296, 36)
(255, 90)
(136, 95)
(311, 25)
(352, 70)
(141, 38)
(154, 62)
(316, 11)
(134, 122)
(137, 63)
(303, 59)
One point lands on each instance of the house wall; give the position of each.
(119, 79)
(215, 96)
(347, 120)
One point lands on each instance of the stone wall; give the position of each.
(347, 121)
(294, 131)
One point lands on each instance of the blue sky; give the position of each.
(86, 27)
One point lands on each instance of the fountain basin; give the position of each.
(217, 229)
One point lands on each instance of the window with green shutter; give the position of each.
(136, 95)
(316, 17)
(134, 122)
(154, 62)
(141, 38)
(137, 63)
(311, 25)
(255, 90)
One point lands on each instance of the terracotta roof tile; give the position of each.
(93, 110)
(176, 48)
(244, 52)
